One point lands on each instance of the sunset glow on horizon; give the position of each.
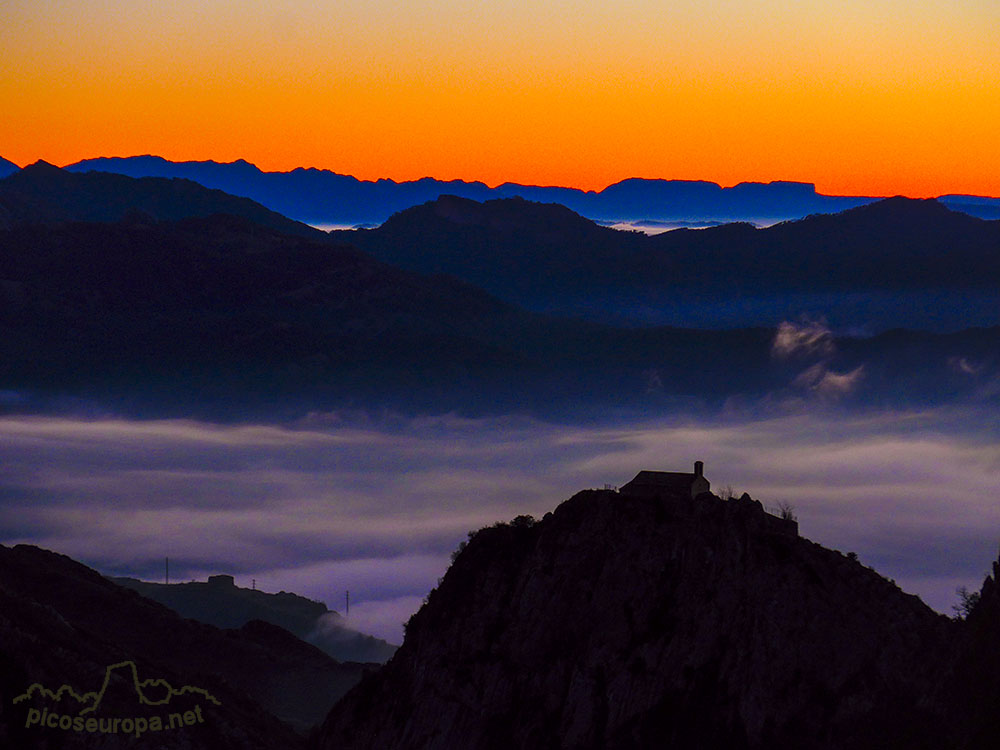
(880, 97)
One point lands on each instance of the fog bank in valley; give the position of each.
(336, 502)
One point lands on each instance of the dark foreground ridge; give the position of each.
(62, 623)
(661, 619)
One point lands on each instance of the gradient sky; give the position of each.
(859, 96)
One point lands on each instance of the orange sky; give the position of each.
(877, 97)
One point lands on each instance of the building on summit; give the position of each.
(651, 483)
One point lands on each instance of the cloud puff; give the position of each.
(810, 338)
(335, 502)
(964, 366)
(827, 383)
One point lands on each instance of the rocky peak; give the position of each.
(627, 621)
(970, 693)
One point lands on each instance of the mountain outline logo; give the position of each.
(153, 692)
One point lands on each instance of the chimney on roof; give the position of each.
(699, 468)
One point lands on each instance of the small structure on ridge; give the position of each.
(652, 483)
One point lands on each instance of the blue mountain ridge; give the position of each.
(324, 197)
(7, 168)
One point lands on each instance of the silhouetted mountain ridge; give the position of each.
(222, 316)
(897, 262)
(41, 193)
(324, 197)
(907, 263)
(221, 603)
(7, 168)
(896, 243)
(63, 623)
(222, 297)
(625, 621)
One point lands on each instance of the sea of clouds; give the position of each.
(334, 502)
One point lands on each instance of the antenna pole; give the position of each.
(347, 602)
(166, 569)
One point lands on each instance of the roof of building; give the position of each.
(680, 480)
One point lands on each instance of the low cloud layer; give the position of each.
(330, 504)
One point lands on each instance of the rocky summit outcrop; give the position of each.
(622, 621)
(970, 693)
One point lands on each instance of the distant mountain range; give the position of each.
(7, 168)
(222, 317)
(41, 193)
(318, 196)
(221, 603)
(894, 263)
